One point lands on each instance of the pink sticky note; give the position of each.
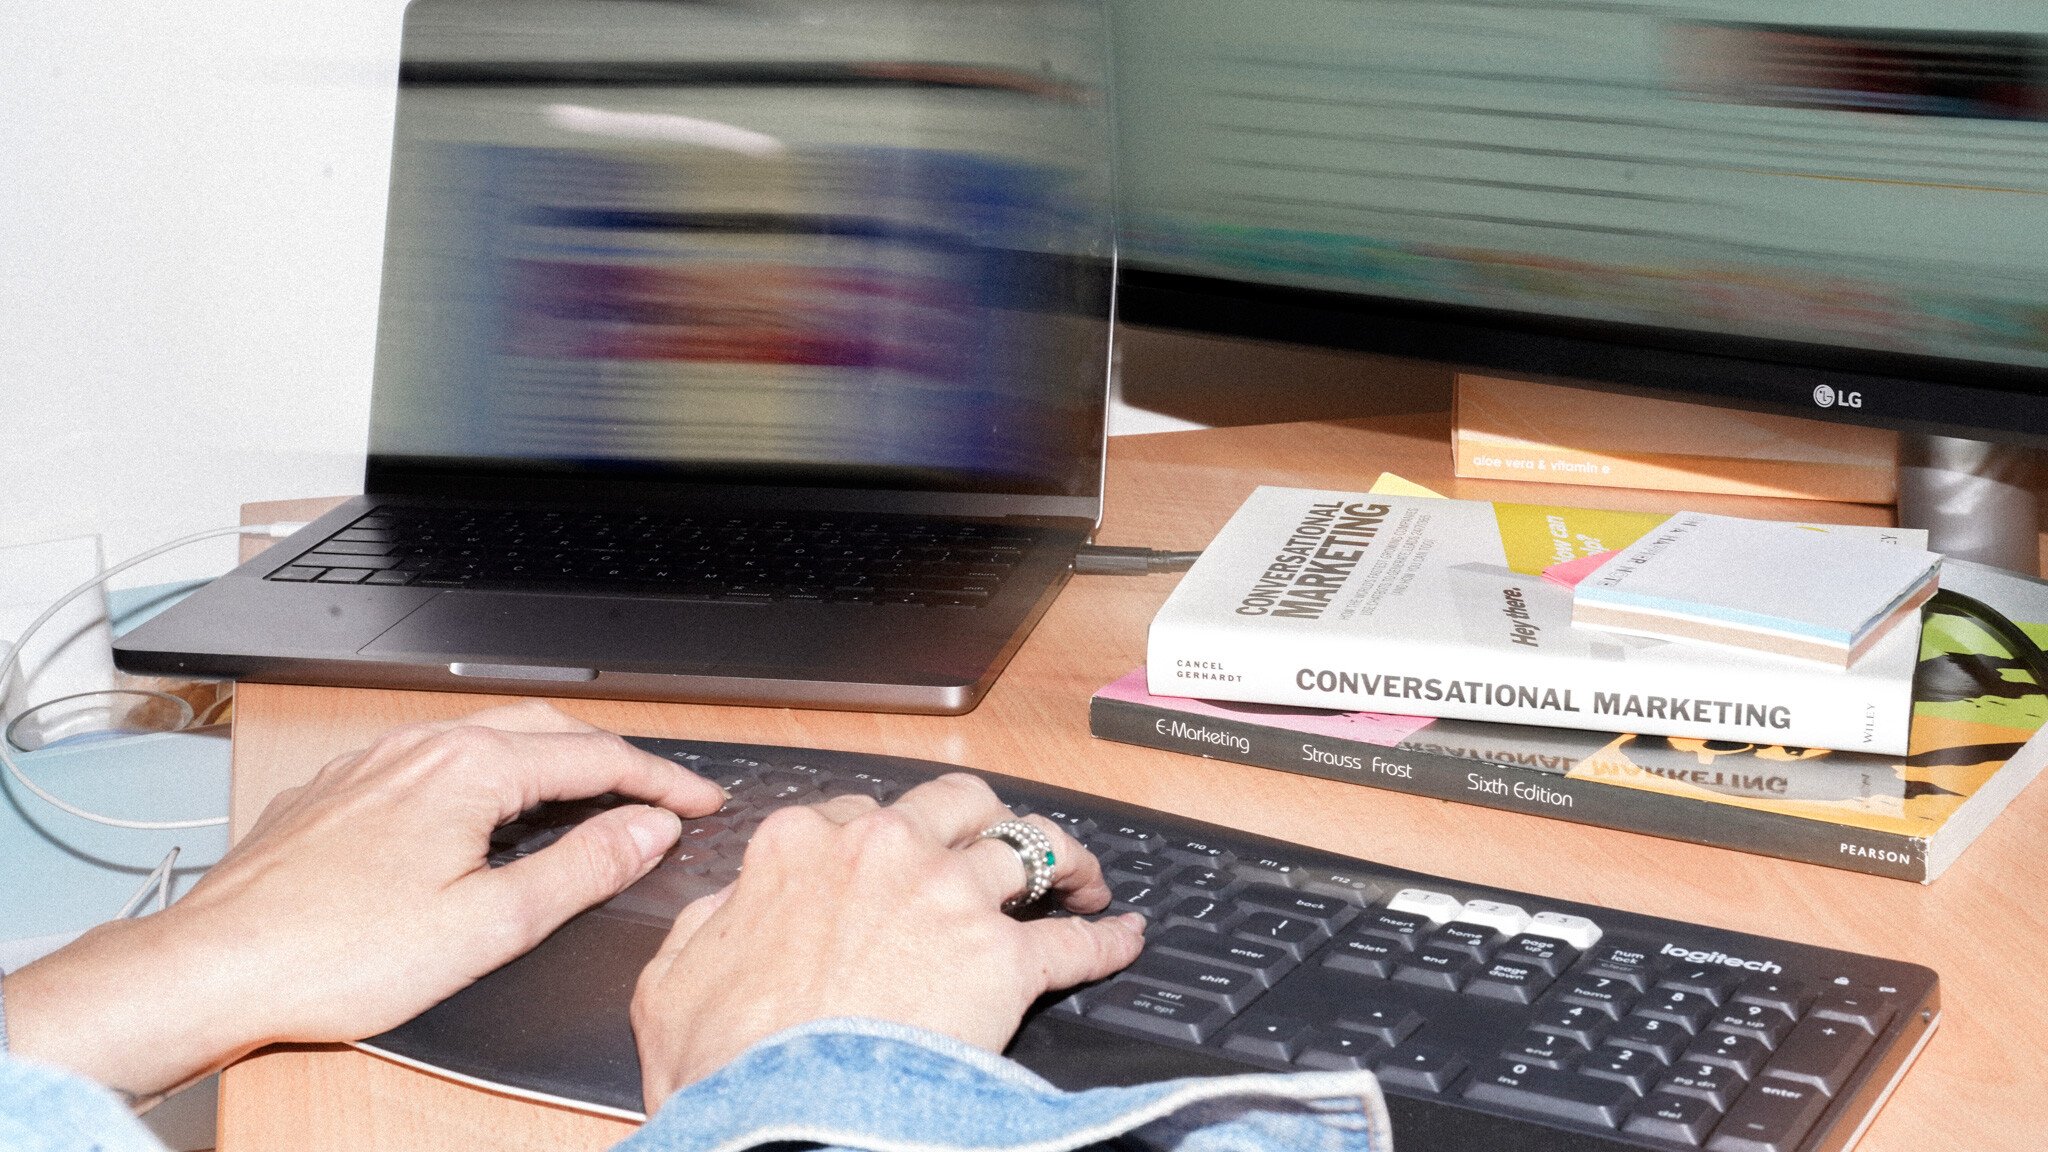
(1568, 573)
(1384, 729)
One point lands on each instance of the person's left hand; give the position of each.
(356, 902)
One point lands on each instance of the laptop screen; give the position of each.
(818, 244)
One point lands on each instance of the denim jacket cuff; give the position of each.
(873, 1086)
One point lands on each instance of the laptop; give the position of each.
(729, 353)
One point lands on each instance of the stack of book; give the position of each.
(1413, 644)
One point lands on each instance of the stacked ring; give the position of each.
(1034, 849)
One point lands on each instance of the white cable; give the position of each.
(12, 664)
(157, 883)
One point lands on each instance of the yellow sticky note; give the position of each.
(1391, 485)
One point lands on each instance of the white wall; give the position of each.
(191, 216)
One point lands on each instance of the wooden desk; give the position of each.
(1981, 1084)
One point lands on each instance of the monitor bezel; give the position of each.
(1909, 393)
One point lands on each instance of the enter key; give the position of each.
(1820, 1052)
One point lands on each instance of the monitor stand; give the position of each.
(1972, 498)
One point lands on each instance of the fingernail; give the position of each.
(653, 830)
(1135, 921)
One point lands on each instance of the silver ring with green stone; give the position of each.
(1034, 849)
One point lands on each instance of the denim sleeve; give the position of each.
(870, 1086)
(45, 1109)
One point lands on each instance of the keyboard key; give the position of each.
(1574, 1021)
(1602, 991)
(1143, 867)
(1523, 1087)
(1505, 919)
(1386, 1020)
(1273, 872)
(1576, 931)
(1745, 1054)
(1405, 928)
(1266, 962)
(1292, 933)
(1767, 1025)
(1623, 961)
(1138, 895)
(1773, 1116)
(1437, 907)
(1166, 1012)
(338, 546)
(1364, 955)
(1688, 1010)
(1866, 1012)
(1345, 885)
(1546, 952)
(1515, 981)
(1632, 1067)
(1200, 852)
(297, 572)
(1545, 1048)
(1679, 1119)
(1267, 1037)
(1820, 1052)
(1200, 912)
(1715, 1084)
(343, 560)
(343, 576)
(1421, 1067)
(1335, 1050)
(1124, 837)
(1715, 984)
(1206, 881)
(390, 576)
(1660, 1038)
(1474, 940)
(1234, 988)
(1326, 911)
(1771, 992)
(1438, 968)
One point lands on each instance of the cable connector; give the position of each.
(1104, 560)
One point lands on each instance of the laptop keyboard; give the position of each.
(875, 559)
(1496, 1018)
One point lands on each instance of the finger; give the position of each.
(594, 862)
(693, 917)
(953, 809)
(1076, 873)
(541, 766)
(846, 809)
(1073, 951)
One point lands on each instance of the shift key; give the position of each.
(1161, 1011)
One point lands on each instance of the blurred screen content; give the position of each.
(889, 273)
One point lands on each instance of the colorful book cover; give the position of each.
(1975, 744)
(1423, 606)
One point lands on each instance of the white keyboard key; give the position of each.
(1438, 907)
(1505, 919)
(1576, 931)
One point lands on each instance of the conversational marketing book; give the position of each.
(1433, 607)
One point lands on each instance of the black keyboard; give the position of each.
(868, 558)
(1494, 1019)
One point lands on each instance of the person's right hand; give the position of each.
(852, 909)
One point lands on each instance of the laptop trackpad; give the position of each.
(580, 631)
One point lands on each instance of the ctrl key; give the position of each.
(1771, 1117)
(1160, 1011)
